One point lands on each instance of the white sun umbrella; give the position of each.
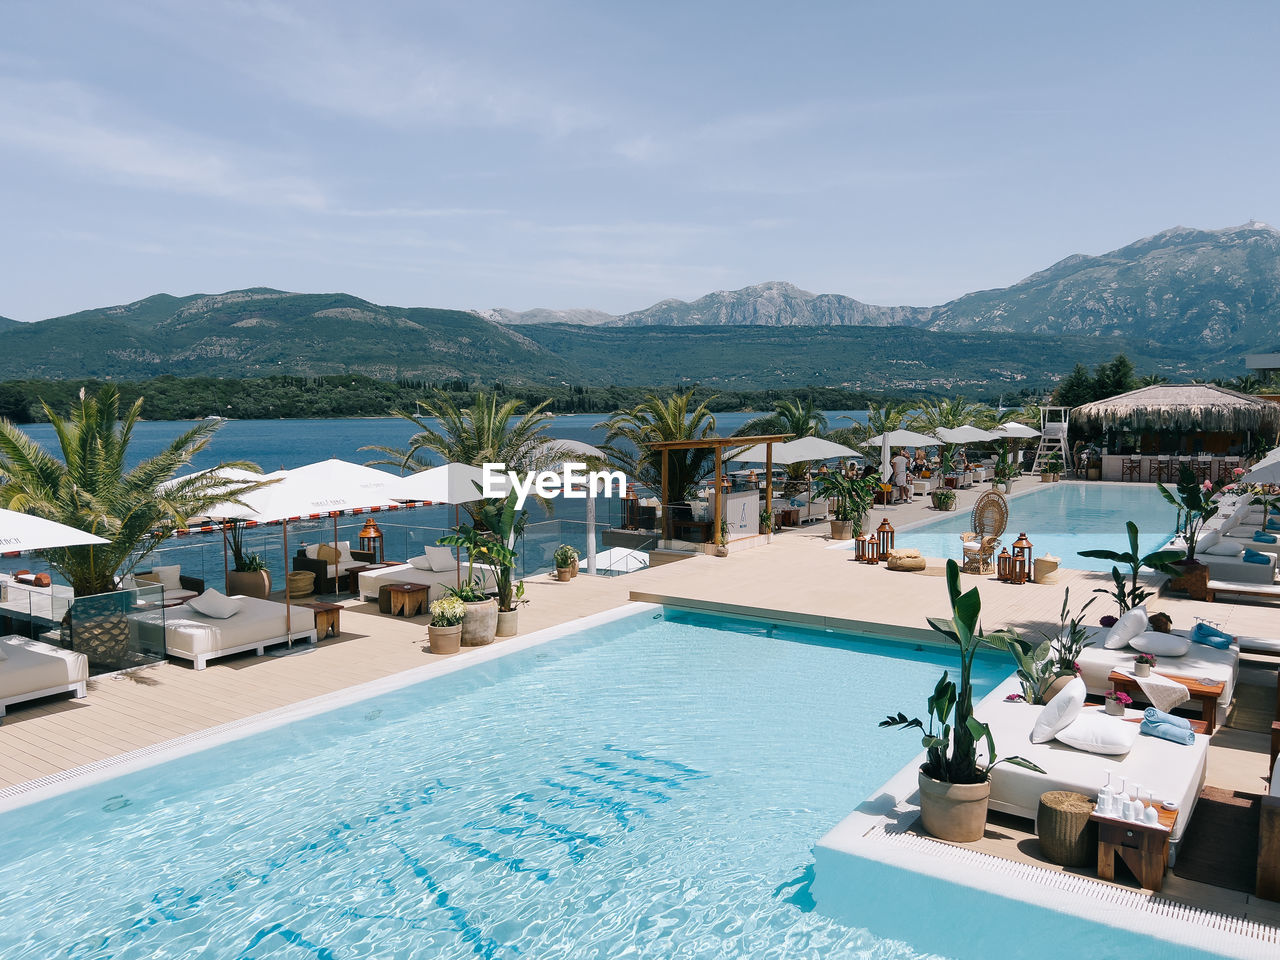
(328, 487)
(898, 438)
(1014, 431)
(622, 560)
(966, 434)
(22, 531)
(1266, 470)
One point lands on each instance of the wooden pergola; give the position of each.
(718, 444)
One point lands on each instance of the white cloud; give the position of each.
(71, 125)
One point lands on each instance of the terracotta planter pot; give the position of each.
(445, 640)
(564, 574)
(249, 583)
(1093, 473)
(508, 623)
(480, 624)
(1055, 688)
(954, 811)
(764, 528)
(841, 529)
(1046, 478)
(1142, 669)
(573, 569)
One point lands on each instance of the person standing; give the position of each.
(901, 480)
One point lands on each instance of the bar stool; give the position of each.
(1203, 468)
(1227, 468)
(1179, 463)
(1155, 469)
(1165, 470)
(1131, 469)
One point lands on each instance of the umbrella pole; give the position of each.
(288, 619)
(591, 530)
(457, 555)
(226, 574)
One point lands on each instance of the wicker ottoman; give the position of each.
(1066, 835)
(300, 583)
(907, 559)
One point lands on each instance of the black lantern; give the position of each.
(884, 537)
(1021, 559)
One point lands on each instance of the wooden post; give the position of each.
(666, 509)
(715, 529)
(768, 480)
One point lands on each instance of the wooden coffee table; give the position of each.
(1144, 848)
(407, 599)
(328, 617)
(353, 575)
(1207, 693)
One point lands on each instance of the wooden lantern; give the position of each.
(1004, 566)
(860, 548)
(884, 538)
(371, 539)
(1021, 569)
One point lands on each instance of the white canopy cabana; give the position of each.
(898, 438)
(966, 434)
(20, 532)
(801, 450)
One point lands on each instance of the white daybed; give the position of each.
(30, 669)
(1171, 771)
(437, 569)
(1201, 662)
(1231, 565)
(257, 624)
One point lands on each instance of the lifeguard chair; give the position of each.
(1053, 438)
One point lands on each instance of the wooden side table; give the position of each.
(328, 617)
(407, 599)
(1144, 848)
(1207, 693)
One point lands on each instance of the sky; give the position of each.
(610, 155)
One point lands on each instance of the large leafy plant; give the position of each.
(505, 525)
(1196, 503)
(1040, 667)
(953, 733)
(1128, 593)
(850, 498)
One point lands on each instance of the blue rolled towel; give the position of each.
(1253, 556)
(1168, 731)
(1261, 537)
(1210, 636)
(1273, 524)
(1159, 716)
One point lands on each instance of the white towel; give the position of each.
(1164, 694)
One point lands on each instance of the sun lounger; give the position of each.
(31, 669)
(258, 624)
(1201, 662)
(1269, 591)
(1170, 771)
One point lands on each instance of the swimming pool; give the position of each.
(1061, 519)
(652, 787)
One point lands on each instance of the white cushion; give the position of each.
(1099, 733)
(442, 558)
(420, 563)
(167, 577)
(1161, 644)
(213, 604)
(1126, 628)
(344, 551)
(311, 551)
(1223, 549)
(1208, 538)
(1059, 712)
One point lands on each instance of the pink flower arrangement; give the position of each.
(1238, 472)
(1120, 697)
(1014, 698)
(1145, 658)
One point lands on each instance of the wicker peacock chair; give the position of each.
(990, 517)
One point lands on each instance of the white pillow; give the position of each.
(1161, 644)
(1059, 712)
(1095, 732)
(1223, 549)
(1208, 539)
(167, 577)
(442, 558)
(214, 604)
(420, 563)
(312, 548)
(1126, 628)
(344, 551)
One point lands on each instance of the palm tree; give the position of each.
(485, 432)
(630, 434)
(1152, 380)
(793, 417)
(948, 413)
(91, 489)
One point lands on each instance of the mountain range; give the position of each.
(1184, 303)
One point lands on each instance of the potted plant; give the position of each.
(249, 576)
(1196, 505)
(766, 520)
(1046, 669)
(1093, 463)
(849, 502)
(722, 539)
(445, 629)
(1116, 701)
(947, 464)
(1142, 665)
(480, 623)
(505, 525)
(564, 559)
(943, 499)
(954, 786)
(1127, 594)
(1054, 464)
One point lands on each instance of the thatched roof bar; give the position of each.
(1184, 406)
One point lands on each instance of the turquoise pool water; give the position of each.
(1062, 519)
(651, 789)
